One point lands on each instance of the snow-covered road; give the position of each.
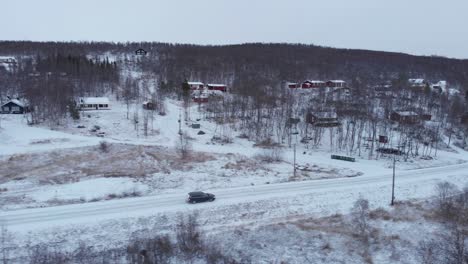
(410, 184)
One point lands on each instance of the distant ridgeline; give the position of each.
(245, 65)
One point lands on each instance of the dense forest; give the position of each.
(240, 65)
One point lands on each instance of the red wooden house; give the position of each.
(200, 99)
(292, 85)
(217, 87)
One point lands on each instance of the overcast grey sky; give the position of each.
(423, 27)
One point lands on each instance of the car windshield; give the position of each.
(197, 194)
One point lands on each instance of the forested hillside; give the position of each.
(245, 64)
(51, 75)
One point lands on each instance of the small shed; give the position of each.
(140, 52)
(149, 105)
(94, 103)
(14, 106)
(383, 139)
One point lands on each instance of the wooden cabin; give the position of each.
(14, 106)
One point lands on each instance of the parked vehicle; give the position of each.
(199, 197)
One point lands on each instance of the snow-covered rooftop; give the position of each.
(4, 59)
(15, 101)
(337, 81)
(216, 84)
(406, 113)
(195, 83)
(94, 100)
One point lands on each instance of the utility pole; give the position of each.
(180, 123)
(294, 147)
(294, 160)
(393, 181)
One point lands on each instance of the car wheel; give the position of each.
(193, 201)
(212, 199)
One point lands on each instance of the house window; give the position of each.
(15, 108)
(6, 109)
(101, 106)
(105, 105)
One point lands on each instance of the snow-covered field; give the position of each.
(139, 182)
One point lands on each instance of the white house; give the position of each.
(94, 103)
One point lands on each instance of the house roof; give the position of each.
(195, 83)
(16, 102)
(337, 81)
(94, 100)
(406, 113)
(313, 81)
(216, 84)
(7, 59)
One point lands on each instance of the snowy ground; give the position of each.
(40, 167)
(37, 163)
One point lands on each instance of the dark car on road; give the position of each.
(199, 197)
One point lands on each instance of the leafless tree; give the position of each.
(446, 197)
(189, 238)
(360, 218)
